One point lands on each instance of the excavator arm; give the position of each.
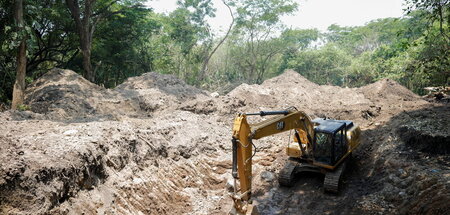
(244, 133)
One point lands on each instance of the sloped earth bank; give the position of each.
(155, 145)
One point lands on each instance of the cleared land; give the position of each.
(154, 145)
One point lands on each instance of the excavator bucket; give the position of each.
(248, 210)
(252, 210)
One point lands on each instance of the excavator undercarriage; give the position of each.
(332, 181)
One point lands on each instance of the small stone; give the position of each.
(402, 173)
(70, 132)
(267, 176)
(230, 185)
(137, 180)
(215, 95)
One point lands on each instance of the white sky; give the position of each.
(311, 13)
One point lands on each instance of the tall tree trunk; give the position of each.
(85, 28)
(87, 65)
(19, 85)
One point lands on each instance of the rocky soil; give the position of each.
(154, 145)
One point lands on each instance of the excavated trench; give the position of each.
(427, 130)
(23, 191)
(420, 140)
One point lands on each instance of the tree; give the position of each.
(435, 47)
(123, 46)
(86, 15)
(296, 40)
(8, 50)
(19, 85)
(196, 31)
(300, 39)
(85, 25)
(52, 38)
(438, 10)
(327, 65)
(209, 54)
(256, 22)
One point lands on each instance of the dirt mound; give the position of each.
(407, 172)
(64, 94)
(292, 89)
(288, 79)
(388, 89)
(106, 167)
(168, 84)
(153, 91)
(278, 91)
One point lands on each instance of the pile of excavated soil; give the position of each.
(167, 84)
(64, 94)
(153, 91)
(155, 145)
(409, 175)
(112, 167)
(291, 89)
(388, 89)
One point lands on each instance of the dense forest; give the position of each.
(108, 41)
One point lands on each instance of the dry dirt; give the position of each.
(155, 145)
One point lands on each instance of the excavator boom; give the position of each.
(244, 133)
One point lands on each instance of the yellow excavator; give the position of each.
(320, 145)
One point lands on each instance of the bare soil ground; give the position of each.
(155, 145)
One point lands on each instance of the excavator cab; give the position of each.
(330, 144)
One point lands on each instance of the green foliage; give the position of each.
(361, 71)
(262, 14)
(130, 39)
(22, 107)
(122, 47)
(408, 50)
(254, 45)
(300, 38)
(327, 65)
(357, 40)
(296, 40)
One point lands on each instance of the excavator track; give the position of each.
(333, 178)
(286, 176)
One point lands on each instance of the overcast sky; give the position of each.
(311, 13)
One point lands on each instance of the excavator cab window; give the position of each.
(330, 142)
(340, 144)
(323, 147)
